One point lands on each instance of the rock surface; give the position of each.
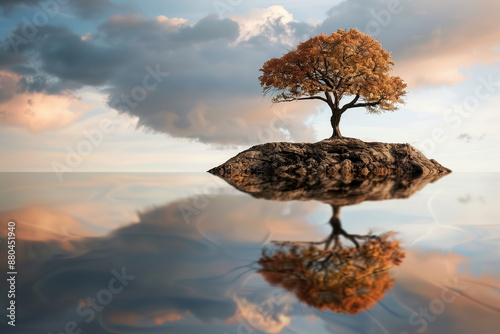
(343, 158)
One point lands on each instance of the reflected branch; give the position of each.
(346, 277)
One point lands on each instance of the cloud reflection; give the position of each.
(194, 278)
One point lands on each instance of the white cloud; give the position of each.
(261, 317)
(261, 21)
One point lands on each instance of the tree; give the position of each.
(344, 279)
(345, 64)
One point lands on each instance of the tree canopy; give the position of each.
(332, 68)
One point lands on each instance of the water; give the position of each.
(183, 253)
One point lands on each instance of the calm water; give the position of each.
(183, 253)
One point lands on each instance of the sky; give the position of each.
(172, 86)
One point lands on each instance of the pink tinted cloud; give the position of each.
(442, 58)
(36, 111)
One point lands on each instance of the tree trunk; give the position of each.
(335, 220)
(335, 120)
(336, 228)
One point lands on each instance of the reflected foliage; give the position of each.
(346, 273)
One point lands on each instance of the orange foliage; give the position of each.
(330, 67)
(345, 280)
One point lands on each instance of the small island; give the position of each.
(346, 70)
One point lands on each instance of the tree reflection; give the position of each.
(347, 273)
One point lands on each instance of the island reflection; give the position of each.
(346, 273)
(338, 192)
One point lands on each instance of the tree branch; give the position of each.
(367, 104)
(329, 100)
(290, 99)
(350, 104)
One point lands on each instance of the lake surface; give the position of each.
(183, 253)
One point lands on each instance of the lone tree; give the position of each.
(346, 64)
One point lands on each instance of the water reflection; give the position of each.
(191, 278)
(332, 274)
(168, 259)
(332, 191)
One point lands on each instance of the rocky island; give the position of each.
(339, 158)
(346, 70)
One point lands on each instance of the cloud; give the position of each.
(267, 320)
(69, 58)
(40, 223)
(209, 90)
(8, 59)
(431, 42)
(147, 319)
(83, 8)
(467, 137)
(430, 278)
(34, 110)
(273, 22)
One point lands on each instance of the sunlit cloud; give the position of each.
(208, 91)
(36, 111)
